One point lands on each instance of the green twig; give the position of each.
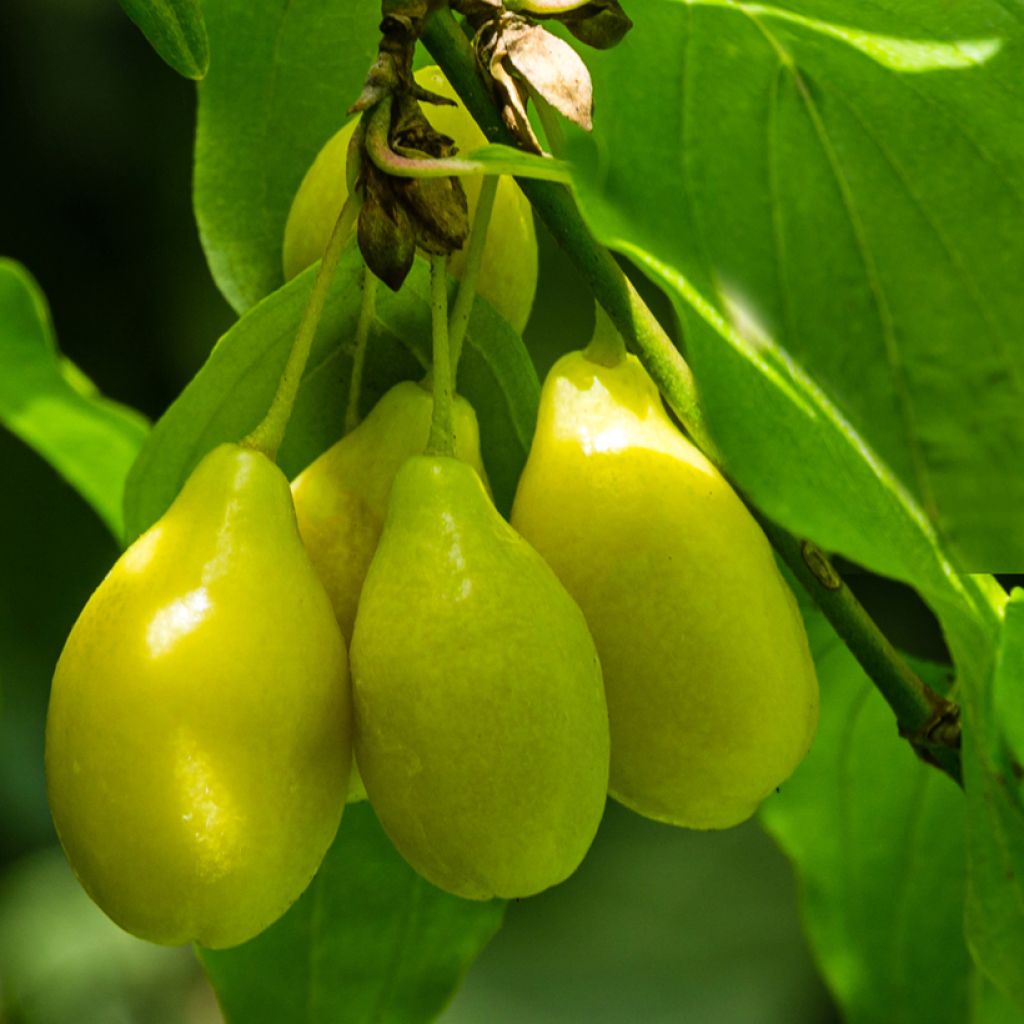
(367, 310)
(557, 208)
(554, 134)
(442, 430)
(269, 434)
(928, 721)
(471, 271)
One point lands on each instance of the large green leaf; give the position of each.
(233, 390)
(51, 405)
(828, 286)
(878, 841)
(995, 907)
(370, 942)
(282, 75)
(833, 192)
(175, 29)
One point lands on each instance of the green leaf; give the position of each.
(989, 1005)
(283, 75)
(877, 838)
(369, 941)
(995, 907)
(832, 192)
(175, 29)
(51, 405)
(232, 392)
(828, 194)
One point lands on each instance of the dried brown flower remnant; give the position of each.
(519, 56)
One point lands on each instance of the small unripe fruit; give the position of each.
(508, 278)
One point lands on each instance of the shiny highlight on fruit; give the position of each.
(198, 739)
(712, 693)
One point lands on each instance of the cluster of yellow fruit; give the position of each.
(629, 633)
(198, 744)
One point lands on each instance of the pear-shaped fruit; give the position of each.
(712, 694)
(342, 497)
(198, 740)
(508, 277)
(481, 727)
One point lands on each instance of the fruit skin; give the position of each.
(508, 278)
(481, 726)
(198, 740)
(712, 693)
(341, 498)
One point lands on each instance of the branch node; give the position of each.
(821, 567)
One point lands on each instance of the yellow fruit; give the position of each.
(712, 694)
(341, 498)
(508, 277)
(481, 727)
(198, 740)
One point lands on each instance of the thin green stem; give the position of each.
(557, 208)
(378, 149)
(926, 719)
(269, 434)
(367, 310)
(442, 429)
(471, 271)
(554, 134)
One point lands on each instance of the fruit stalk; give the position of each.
(442, 434)
(269, 434)
(557, 208)
(471, 271)
(367, 309)
(924, 717)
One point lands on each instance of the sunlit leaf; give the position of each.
(830, 195)
(833, 193)
(51, 405)
(995, 908)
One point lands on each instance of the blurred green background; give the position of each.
(658, 925)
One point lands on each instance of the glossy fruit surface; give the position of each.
(508, 277)
(712, 694)
(198, 738)
(341, 498)
(481, 726)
